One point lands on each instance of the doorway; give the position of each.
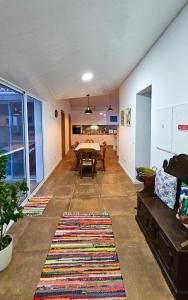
(143, 128)
(63, 133)
(70, 132)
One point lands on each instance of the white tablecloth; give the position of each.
(94, 146)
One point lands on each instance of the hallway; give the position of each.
(110, 191)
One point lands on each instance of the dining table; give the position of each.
(95, 146)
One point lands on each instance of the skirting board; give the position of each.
(41, 183)
(128, 174)
(36, 190)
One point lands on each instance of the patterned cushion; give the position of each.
(182, 213)
(166, 187)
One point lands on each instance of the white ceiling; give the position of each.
(46, 45)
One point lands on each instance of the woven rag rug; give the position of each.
(36, 206)
(82, 262)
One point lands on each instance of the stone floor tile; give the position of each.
(38, 235)
(87, 191)
(142, 275)
(56, 207)
(113, 190)
(126, 230)
(89, 205)
(119, 205)
(19, 280)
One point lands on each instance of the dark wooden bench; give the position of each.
(166, 236)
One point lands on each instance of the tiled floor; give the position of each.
(109, 191)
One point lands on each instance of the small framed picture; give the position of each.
(122, 117)
(128, 117)
(113, 119)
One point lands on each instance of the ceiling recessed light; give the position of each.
(87, 76)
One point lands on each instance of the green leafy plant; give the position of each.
(145, 171)
(9, 202)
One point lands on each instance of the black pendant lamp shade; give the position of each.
(88, 109)
(110, 108)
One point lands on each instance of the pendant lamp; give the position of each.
(110, 107)
(88, 109)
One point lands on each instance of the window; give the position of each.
(34, 112)
(25, 160)
(12, 132)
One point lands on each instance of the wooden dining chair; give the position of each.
(87, 159)
(89, 141)
(76, 143)
(101, 156)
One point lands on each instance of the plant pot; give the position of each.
(6, 255)
(145, 171)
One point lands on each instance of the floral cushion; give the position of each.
(182, 213)
(166, 187)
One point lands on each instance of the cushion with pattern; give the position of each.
(166, 187)
(182, 212)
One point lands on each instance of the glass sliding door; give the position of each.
(12, 141)
(34, 112)
(25, 160)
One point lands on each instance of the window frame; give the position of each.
(25, 133)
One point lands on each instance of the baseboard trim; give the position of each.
(128, 174)
(36, 190)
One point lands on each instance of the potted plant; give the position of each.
(9, 210)
(145, 171)
(147, 176)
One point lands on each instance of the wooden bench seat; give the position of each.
(166, 236)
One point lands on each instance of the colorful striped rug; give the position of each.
(82, 262)
(35, 206)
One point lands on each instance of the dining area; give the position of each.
(90, 157)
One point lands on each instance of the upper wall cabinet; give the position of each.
(180, 129)
(171, 127)
(164, 128)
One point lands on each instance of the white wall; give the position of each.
(165, 67)
(52, 133)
